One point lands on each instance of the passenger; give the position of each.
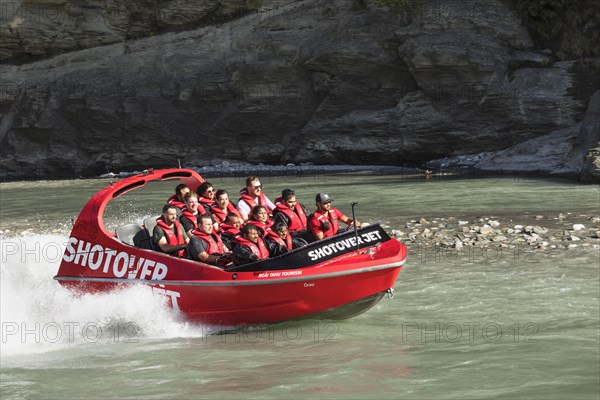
(168, 234)
(178, 198)
(222, 206)
(324, 221)
(252, 196)
(207, 246)
(260, 219)
(230, 229)
(189, 217)
(206, 196)
(279, 241)
(292, 213)
(249, 247)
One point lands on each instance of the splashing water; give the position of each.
(40, 315)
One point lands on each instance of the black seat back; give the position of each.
(149, 224)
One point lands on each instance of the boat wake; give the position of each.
(39, 315)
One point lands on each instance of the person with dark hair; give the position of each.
(178, 198)
(324, 221)
(251, 196)
(250, 247)
(222, 206)
(230, 229)
(207, 246)
(168, 234)
(279, 241)
(206, 196)
(260, 219)
(291, 213)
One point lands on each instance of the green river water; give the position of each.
(523, 325)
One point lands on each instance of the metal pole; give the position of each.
(354, 203)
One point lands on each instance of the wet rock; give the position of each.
(463, 222)
(540, 230)
(597, 235)
(574, 238)
(594, 220)
(543, 245)
(499, 238)
(423, 221)
(494, 224)
(572, 246)
(486, 229)
(518, 227)
(578, 227)
(528, 229)
(538, 217)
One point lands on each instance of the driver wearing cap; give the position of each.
(324, 221)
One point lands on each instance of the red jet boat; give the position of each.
(333, 278)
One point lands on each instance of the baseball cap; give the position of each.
(323, 198)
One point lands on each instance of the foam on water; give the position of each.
(40, 315)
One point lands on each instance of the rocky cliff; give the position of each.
(89, 85)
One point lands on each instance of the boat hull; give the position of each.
(316, 281)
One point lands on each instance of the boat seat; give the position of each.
(132, 234)
(149, 224)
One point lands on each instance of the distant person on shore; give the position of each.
(291, 213)
(178, 199)
(207, 246)
(168, 234)
(250, 247)
(324, 221)
(252, 196)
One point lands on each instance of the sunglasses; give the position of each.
(257, 187)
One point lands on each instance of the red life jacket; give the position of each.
(215, 244)
(260, 250)
(171, 238)
(174, 201)
(297, 219)
(232, 230)
(251, 201)
(220, 215)
(207, 203)
(193, 218)
(262, 227)
(275, 236)
(318, 218)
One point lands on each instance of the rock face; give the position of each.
(278, 82)
(39, 28)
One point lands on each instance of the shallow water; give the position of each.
(522, 324)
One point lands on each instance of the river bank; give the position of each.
(539, 233)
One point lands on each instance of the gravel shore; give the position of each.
(538, 232)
